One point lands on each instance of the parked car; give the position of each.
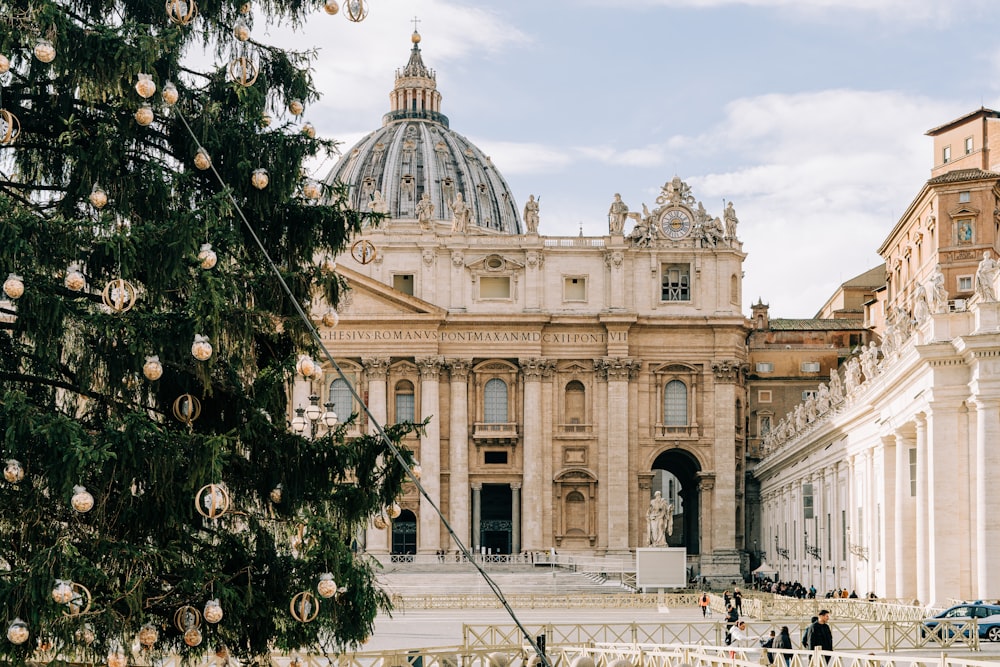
(987, 617)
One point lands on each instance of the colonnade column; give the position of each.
(618, 467)
(889, 498)
(987, 497)
(515, 518)
(945, 529)
(872, 520)
(923, 576)
(458, 441)
(531, 473)
(706, 486)
(376, 371)
(727, 376)
(477, 500)
(429, 531)
(903, 508)
(603, 458)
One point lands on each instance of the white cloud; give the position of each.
(909, 11)
(524, 158)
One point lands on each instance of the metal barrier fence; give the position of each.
(547, 601)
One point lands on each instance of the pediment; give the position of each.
(495, 263)
(963, 210)
(368, 297)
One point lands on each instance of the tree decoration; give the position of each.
(119, 295)
(98, 197)
(356, 10)
(44, 51)
(4, 64)
(309, 130)
(186, 408)
(82, 500)
(213, 611)
(10, 127)
(81, 600)
(260, 179)
(170, 94)
(311, 190)
(243, 70)
(192, 637)
(331, 7)
(380, 521)
(207, 258)
(304, 607)
(202, 160)
(74, 280)
(241, 30)
(306, 366)
(144, 115)
(152, 369)
(328, 264)
(17, 632)
(326, 587)
(85, 635)
(181, 12)
(13, 287)
(148, 635)
(416, 470)
(13, 471)
(187, 617)
(117, 658)
(394, 510)
(201, 348)
(145, 86)
(212, 501)
(62, 592)
(276, 495)
(296, 107)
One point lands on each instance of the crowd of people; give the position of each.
(796, 590)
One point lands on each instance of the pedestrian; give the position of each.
(767, 643)
(808, 631)
(703, 603)
(731, 618)
(738, 637)
(784, 644)
(738, 601)
(820, 635)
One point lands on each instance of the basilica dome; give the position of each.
(416, 153)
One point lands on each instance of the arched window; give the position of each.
(495, 402)
(340, 396)
(575, 407)
(405, 408)
(675, 404)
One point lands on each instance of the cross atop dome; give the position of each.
(415, 94)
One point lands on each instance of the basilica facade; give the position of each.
(564, 380)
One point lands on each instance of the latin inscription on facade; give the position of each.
(390, 335)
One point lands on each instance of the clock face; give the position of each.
(675, 223)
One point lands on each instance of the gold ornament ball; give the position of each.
(394, 510)
(417, 470)
(145, 86)
(170, 94)
(152, 369)
(181, 12)
(311, 190)
(98, 197)
(380, 521)
(13, 287)
(213, 611)
(260, 179)
(192, 637)
(202, 160)
(304, 607)
(13, 471)
(117, 659)
(18, 632)
(186, 408)
(74, 281)
(207, 257)
(82, 501)
(331, 318)
(201, 348)
(276, 495)
(241, 30)
(306, 366)
(62, 593)
(44, 51)
(295, 106)
(212, 501)
(144, 115)
(328, 264)
(148, 635)
(309, 130)
(326, 587)
(4, 64)
(331, 7)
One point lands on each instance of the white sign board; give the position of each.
(660, 567)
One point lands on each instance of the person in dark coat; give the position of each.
(731, 617)
(820, 635)
(784, 643)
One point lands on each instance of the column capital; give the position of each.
(376, 368)
(429, 367)
(621, 368)
(459, 368)
(534, 367)
(477, 486)
(706, 481)
(730, 371)
(515, 486)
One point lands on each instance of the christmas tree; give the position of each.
(161, 245)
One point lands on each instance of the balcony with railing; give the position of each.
(672, 431)
(574, 430)
(495, 433)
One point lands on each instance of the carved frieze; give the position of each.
(534, 368)
(730, 370)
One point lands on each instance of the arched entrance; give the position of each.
(404, 533)
(678, 482)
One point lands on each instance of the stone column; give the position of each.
(728, 375)
(515, 518)
(706, 489)
(923, 576)
(548, 428)
(458, 440)
(531, 473)
(429, 530)
(871, 516)
(376, 371)
(987, 497)
(601, 426)
(477, 495)
(904, 544)
(618, 467)
(945, 529)
(889, 500)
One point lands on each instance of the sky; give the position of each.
(809, 115)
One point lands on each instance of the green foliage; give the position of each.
(75, 408)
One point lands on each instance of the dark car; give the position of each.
(957, 617)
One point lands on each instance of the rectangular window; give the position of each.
(403, 282)
(968, 145)
(404, 407)
(676, 283)
(913, 472)
(946, 155)
(765, 367)
(808, 393)
(575, 288)
(763, 395)
(965, 197)
(965, 283)
(495, 458)
(494, 287)
(810, 367)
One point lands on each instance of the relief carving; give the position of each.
(376, 368)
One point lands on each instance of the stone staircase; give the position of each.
(464, 579)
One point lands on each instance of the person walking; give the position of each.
(767, 643)
(738, 601)
(783, 645)
(820, 635)
(808, 632)
(703, 603)
(731, 618)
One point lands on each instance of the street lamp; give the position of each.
(315, 418)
